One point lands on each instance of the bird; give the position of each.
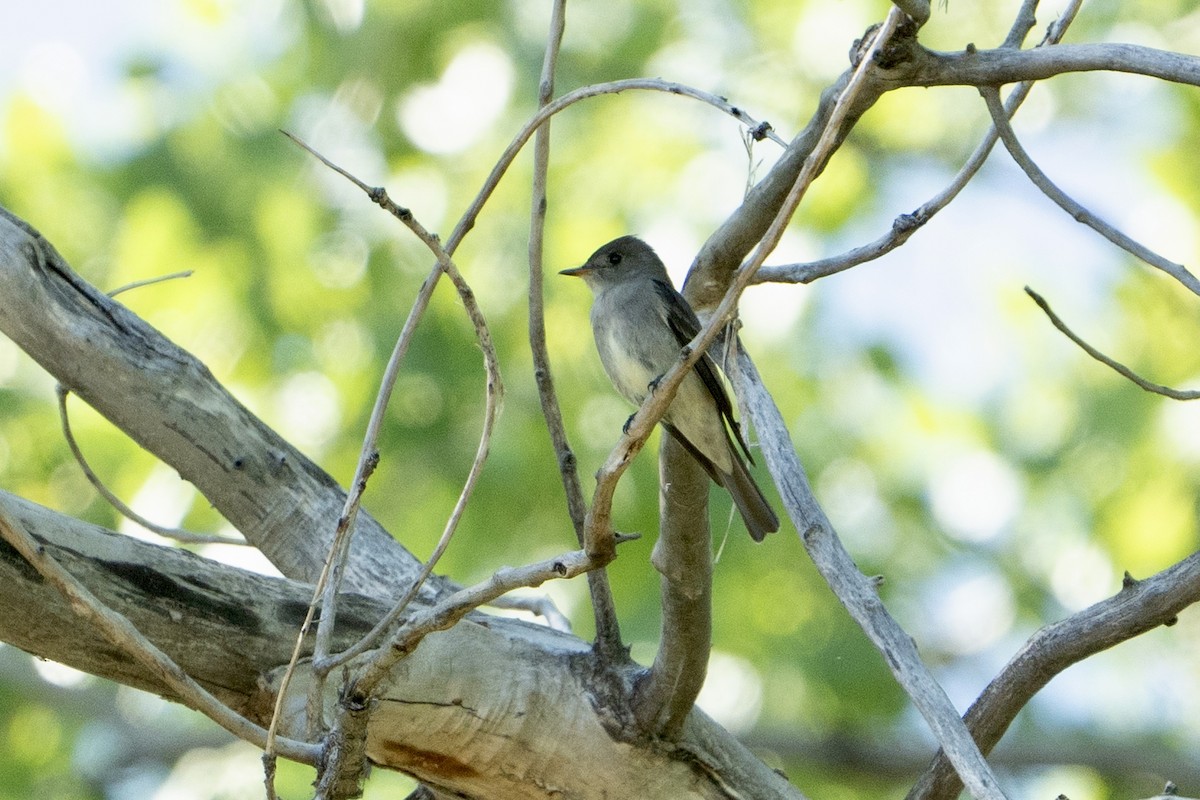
(640, 324)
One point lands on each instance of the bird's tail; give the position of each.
(756, 512)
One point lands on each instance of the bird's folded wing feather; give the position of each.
(684, 323)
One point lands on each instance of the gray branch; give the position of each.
(448, 703)
(170, 404)
(1140, 606)
(1007, 65)
(857, 592)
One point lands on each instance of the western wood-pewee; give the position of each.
(640, 324)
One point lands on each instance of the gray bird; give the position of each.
(640, 324)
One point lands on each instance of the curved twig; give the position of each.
(1165, 391)
(62, 392)
(578, 95)
(991, 96)
(493, 395)
(178, 534)
(330, 576)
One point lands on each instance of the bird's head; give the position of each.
(623, 259)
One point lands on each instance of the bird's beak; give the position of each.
(576, 272)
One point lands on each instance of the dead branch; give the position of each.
(1077, 211)
(1156, 388)
(1139, 606)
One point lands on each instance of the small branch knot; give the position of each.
(761, 131)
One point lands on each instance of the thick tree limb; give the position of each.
(170, 404)
(448, 716)
(124, 635)
(1006, 65)
(221, 625)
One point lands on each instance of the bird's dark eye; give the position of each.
(614, 258)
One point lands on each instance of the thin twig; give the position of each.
(178, 534)
(493, 396)
(991, 96)
(905, 225)
(578, 95)
(1156, 388)
(123, 635)
(170, 276)
(1022, 24)
(608, 632)
(539, 605)
(446, 613)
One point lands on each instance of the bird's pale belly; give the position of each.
(632, 376)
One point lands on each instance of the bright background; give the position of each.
(997, 477)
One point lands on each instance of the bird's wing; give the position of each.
(684, 323)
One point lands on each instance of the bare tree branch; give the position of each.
(1139, 607)
(1166, 391)
(121, 632)
(169, 403)
(973, 67)
(991, 97)
(857, 592)
(608, 631)
(905, 225)
(1022, 24)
